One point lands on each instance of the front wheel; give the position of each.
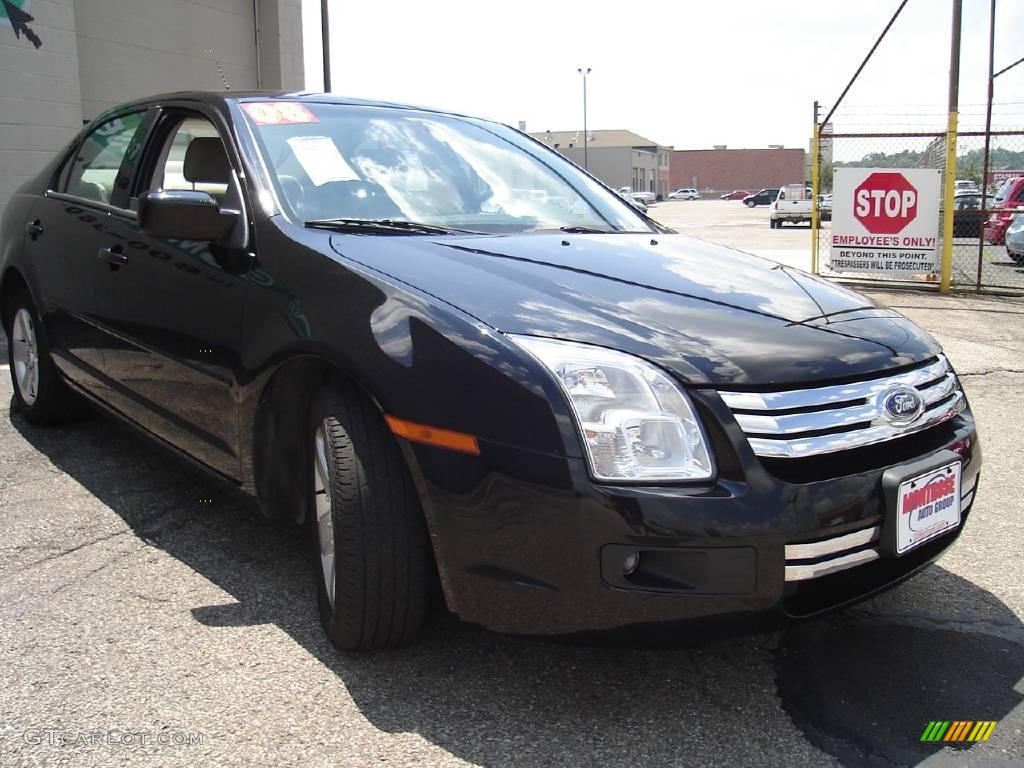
(40, 394)
(750, 203)
(370, 553)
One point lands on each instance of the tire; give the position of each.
(372, 585)
(40, 394)
(750, 203)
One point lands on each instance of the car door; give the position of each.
(68, 237)
(173, 308)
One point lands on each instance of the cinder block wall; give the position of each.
(98, 53)
(40, 97)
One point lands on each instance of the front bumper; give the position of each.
(527, 543)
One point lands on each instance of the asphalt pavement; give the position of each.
(148, 619)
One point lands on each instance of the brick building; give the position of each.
(722, 170)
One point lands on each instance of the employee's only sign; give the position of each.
(885, 220)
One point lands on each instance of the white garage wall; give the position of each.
(98, 53)
(133, 48)
(40, 105)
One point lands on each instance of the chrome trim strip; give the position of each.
(966, 499)
(793, 423)
(965, 489)
(814, 570)
(836, 544)
(858, 390)
(858, 438)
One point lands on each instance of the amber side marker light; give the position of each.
(443, 438)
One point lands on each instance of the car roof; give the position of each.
(221, 98)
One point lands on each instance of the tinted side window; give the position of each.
(97, 163)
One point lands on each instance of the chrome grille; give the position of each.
(809, 422)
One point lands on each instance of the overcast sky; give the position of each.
(686, 73)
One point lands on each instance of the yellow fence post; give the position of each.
(946, 273)
(815, 186)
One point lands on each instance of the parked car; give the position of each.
(1015, 238)
(965, 185)
(968, 216)
(763, 197)
(556, 413)
(684, 194)
(736, 194)
(825, 207)
(647, 198)
(792, 204)
(1003, 207)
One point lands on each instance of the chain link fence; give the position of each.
(982, 209)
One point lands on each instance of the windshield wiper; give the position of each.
(576, 230)
(384, 225)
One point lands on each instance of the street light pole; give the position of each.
(584, 72)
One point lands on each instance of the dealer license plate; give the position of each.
(927, 506)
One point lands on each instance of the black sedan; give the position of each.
(460, 360)
(763, 197)
(968, 215)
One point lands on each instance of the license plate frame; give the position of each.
(922, 502)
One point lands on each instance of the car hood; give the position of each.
(710, 314)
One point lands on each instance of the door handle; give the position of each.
(34, 229)
(113, 257)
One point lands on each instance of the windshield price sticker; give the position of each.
(320, 158)
(278, 112)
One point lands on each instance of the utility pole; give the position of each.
(325, 34)
(815, 188)
(586, 139)
(988, 137)
(946, 273)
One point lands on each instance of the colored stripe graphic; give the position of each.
(935, 731)
(958, 730)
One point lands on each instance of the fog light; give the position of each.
(629, 565)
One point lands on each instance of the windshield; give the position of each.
(335, 161)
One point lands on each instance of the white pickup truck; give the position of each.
(792, 204)
(644, 197)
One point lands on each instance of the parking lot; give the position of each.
(147, 618)
(731, 223)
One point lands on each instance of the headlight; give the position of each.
(635, 422)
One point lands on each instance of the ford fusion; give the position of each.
(461, 361)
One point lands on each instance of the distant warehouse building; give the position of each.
(619, 158)
(721, 170)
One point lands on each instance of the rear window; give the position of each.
(1003, 192)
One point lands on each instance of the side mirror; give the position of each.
(184, 215)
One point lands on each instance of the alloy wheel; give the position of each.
(25, 356)
(324, 518)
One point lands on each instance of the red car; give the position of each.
(1009, 196)
(736, 194)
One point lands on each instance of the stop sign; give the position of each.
(885, 202)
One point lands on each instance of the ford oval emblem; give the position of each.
(901, 405)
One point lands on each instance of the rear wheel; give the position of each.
(40, 394)
(370, 554)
